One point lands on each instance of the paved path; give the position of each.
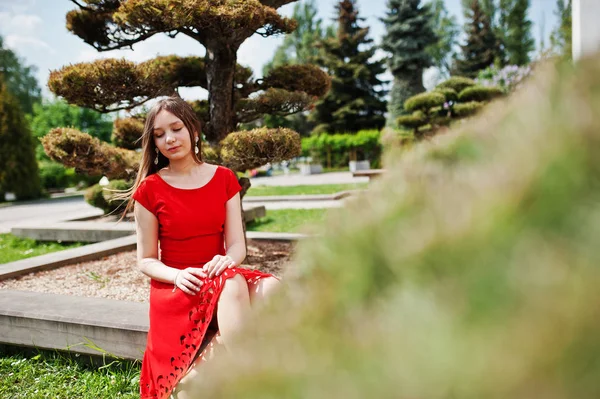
(57, 210)
(297, 179)
(46, 211)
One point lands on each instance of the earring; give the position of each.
(197, 150)
(156, 159)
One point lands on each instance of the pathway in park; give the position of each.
(57, 210)
(45, 211)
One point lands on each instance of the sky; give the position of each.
(35, 30)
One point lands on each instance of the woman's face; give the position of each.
(171, 137)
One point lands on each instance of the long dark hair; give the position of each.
(181, 109)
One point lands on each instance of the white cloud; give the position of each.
(25, 24)
(20, 30)
(17, 42)
(256, 51)
(16, 7)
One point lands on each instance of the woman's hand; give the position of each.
(188, 280)
(218, 265)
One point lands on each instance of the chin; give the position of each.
(178, 155)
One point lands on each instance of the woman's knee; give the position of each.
(235, 287)
(264, 287)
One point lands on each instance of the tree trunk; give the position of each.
(220, 71)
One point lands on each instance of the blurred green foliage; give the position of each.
(335, 150)
(469, 270)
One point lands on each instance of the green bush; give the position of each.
(103, 197)
(424, 101)
(336, 150)
(18, 166)
(55, 176)
(480, 93)
(456, 83)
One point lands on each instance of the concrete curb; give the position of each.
(93, 326)
(263, 235)
(66, 257)
(314, 197)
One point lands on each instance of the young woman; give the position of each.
(198, 293)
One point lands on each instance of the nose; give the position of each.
(170, 138)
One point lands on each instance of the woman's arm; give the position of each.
(146, 226)
(235, 242)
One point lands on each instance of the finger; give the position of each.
(217, 267)
(190, 285)
(208, 266)
(220, 269)
(192, 279)
(185, 289)
(197, 271)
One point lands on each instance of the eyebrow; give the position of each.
(170, 124)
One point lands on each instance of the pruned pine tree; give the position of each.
(234, 96)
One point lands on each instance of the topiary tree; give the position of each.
(18, 167)
(455, 98)
(234, 97)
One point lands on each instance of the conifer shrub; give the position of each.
(103, 197)
(424, 101)
(456, 83)
(439, 107)
(479, 93)
(127, 133)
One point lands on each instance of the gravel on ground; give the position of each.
(117, 276)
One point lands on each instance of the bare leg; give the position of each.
(262, 289)
(189, 386)
(233, 308)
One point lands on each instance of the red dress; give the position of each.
(191, 225)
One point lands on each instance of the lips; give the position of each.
(173, 149)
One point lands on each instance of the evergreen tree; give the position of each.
(497, 12)
(299, 46)
(19, 79)
(518, 40)
(479, 51)
(561, 38)
(413, 46)
(18, 167)
(446, 29)
(355, 101)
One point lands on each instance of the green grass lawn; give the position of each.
(53, 375)
(306, 189)
(15, 248)
(288, 220)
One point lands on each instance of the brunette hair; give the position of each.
(182, 110)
